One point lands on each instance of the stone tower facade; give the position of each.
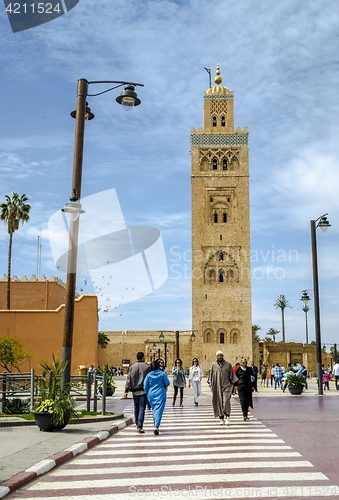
(221, 278)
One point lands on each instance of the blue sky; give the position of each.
(281, 60)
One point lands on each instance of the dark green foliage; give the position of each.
(295, 380)
(15, 406)
(103, 340)
(51, 397)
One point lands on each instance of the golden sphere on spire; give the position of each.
(218, 78)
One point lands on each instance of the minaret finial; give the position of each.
(218, 78)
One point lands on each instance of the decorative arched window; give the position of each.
(224, 164)
(208, 337)
(235, 163)
(230, 275)
(224, 218)
(221, 276)
(222, 338)
(234, 338)
(221, 256)
(214, 121)
(210, 275)
(214, 164)
(223, 121)
(216, 218)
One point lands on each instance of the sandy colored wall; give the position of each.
(33, 293)
(41, 332)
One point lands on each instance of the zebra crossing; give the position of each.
(193, 457)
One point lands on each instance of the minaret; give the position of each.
(221, 279)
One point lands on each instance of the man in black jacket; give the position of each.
(135, 384)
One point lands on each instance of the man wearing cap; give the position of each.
(221, 380)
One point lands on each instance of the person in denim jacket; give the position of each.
(179, 381)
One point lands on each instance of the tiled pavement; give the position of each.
(194, 457)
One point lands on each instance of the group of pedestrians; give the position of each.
(328, 374)
(149, 383)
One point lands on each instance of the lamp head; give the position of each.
(128, 98)
(73, 208)
(192, 337)
(324, 224)
(88, 113)
(305, 298)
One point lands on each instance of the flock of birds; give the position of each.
(100, 293)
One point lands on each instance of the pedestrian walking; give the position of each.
(263, 376)
(272, 374)
(326, 379)
(336, 374)
(245, 386)
(91, 371)
(268, 375)
(255, 373)
(155, 386)
(162, 366)
(278, 376)
(235, 367)
(304, 373)
(195, 375)
(179, 381)
(135, 384)
(221, 380)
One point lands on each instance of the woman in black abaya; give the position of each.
(245, 386)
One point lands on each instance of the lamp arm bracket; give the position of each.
(120, 84)
(319, 219)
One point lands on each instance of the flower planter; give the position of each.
(44, 421)
(109, 391)
(296, 390)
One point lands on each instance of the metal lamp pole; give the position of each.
(128, 98)
(305, 298)
(324, 224)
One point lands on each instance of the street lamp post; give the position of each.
(128, 98)
(305, 298)
(162, 338)
(323, 224)
(177, 343)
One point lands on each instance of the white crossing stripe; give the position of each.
(248, 477)
(137, 469)
(195, 458)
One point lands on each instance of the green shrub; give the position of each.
(15, 406)
(295, 380)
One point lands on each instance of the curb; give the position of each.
(48, 464)
(83, 420)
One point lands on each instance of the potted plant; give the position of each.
(54, 407)
(295, 383)
(110, 385)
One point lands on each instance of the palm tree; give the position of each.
(13, 211)
(273, 332)
(282, 303)
(255, 329)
